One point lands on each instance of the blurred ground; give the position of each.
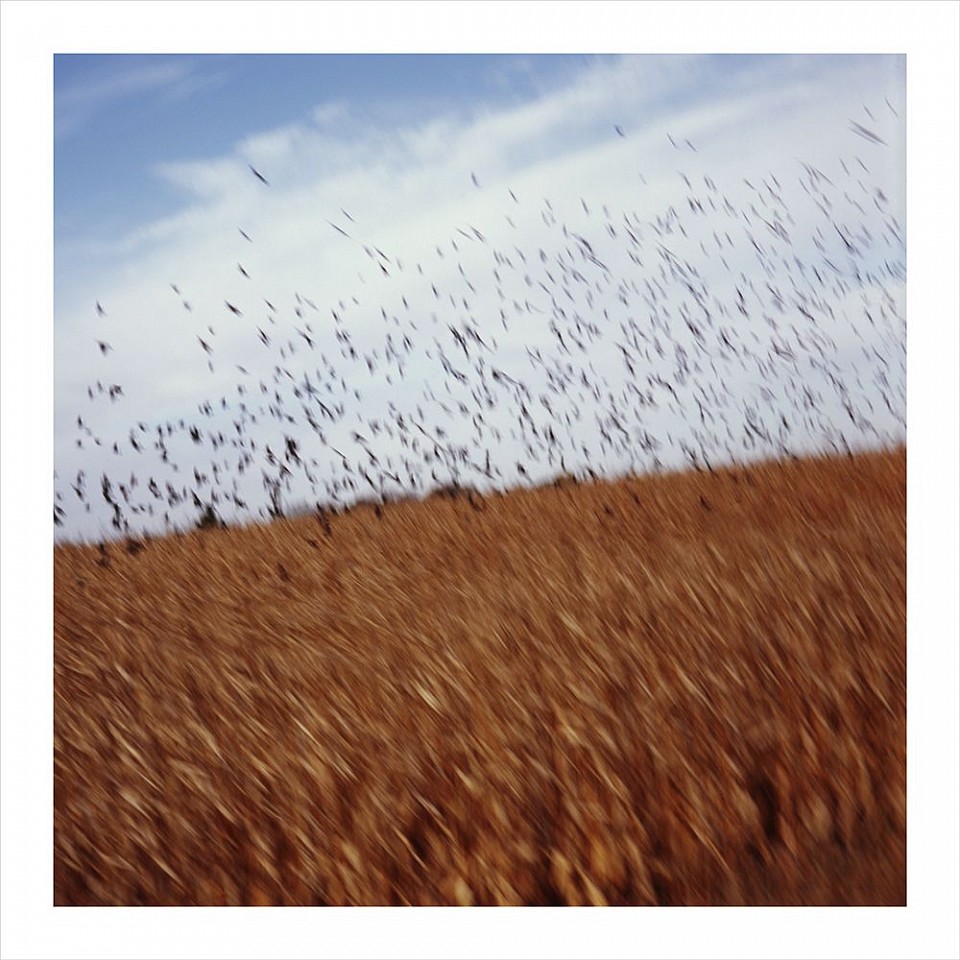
(674, 690)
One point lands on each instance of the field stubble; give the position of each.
(674, 690)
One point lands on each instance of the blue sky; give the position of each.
(477, 171)
(116, 116)
(155, 219)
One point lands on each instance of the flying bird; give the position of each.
(865, 133)
(258, 175)
(104, 347)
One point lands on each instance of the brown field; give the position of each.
(675, 690)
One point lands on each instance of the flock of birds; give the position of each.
(709, 332)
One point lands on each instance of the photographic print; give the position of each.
(479, 480)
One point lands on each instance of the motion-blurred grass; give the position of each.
(676, 690)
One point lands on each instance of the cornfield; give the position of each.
(684, 689)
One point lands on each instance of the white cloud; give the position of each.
(329, 114)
